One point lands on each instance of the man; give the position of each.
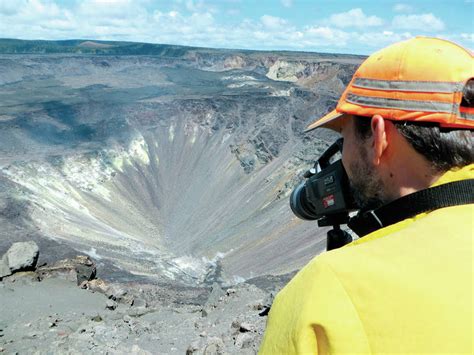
(407, 121)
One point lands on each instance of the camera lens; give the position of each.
(299, 204)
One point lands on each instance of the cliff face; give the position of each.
(174, 169)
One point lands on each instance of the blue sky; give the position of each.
(358, 27)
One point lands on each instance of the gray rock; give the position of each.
(214, 346)
(138, 311)
(96, 285)
(244, 340)
(266, 304)
(85, 267)
(268, 300)
(4, 268)
(193, 348)
(230, 291)
(235, 324)
(79, 269)
(111, 305)
(97, 318)
(246, 327)
(22, 256)
(118, 293)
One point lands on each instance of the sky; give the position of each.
(331, 26)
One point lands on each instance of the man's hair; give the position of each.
(443, 148)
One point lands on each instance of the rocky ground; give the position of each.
(62, 308)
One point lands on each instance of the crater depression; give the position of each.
(163, 162)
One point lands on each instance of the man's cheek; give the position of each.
(346, 163)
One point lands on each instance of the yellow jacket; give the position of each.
(404, 289)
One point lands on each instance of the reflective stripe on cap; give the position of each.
(409, 105)
(411, 86)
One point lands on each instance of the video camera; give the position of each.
(326, 196)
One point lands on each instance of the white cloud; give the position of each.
(202, 19)
(110, 9)
(354, 18)
(192, 5)
(273, 22)
(287, 3)
(402, 8)
(468, 36)
(323, 35)
(382, 39)
(8, 7)
(199, 6)
(141, 21)
(421, 22)
(38, 9)
(59, 25)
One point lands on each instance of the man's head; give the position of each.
(405, 120)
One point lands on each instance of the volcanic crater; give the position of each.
(170, 166)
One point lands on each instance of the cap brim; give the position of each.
(330, 120)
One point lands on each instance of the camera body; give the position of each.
(326, 193)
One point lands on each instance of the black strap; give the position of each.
(446, 195)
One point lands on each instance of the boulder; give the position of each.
(79, 269)
(22, 256)
(96, 285)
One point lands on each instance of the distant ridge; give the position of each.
(88, 46)
(17, 46)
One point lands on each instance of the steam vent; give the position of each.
(163, 162)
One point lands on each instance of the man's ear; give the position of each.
(379, 129)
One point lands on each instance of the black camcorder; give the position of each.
(326, 196)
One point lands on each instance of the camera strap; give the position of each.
(451, 194)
